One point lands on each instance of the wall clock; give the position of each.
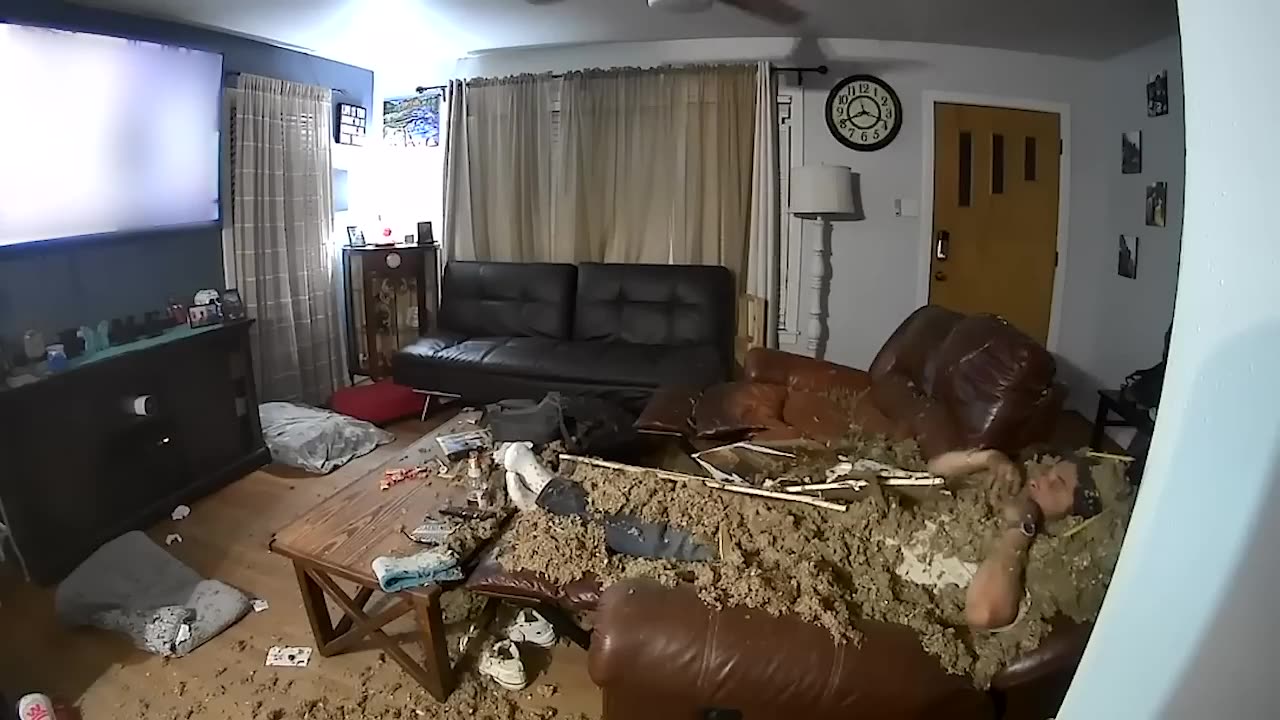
(863, 112)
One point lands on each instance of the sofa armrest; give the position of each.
(1059, 652)
(663, 643)
(797, 372)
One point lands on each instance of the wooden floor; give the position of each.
(226, 538)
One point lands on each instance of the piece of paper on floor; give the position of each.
(171, 539)
(259, 605)
(184, 634)
(180, 512)
(279, 656)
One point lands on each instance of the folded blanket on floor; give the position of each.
(425, 568)
(134, 586)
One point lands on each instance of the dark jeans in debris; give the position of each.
(624, 534)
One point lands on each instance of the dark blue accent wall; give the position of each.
(67, 283)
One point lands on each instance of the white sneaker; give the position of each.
(501, 661)
(528, 626)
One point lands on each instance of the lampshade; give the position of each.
(824, 192)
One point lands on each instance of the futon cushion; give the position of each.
(490, 299)
(655, 304)
(591, 362)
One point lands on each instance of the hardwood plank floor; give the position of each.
(226, 538)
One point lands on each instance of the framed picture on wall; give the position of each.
(1157, 203)
(1127, 262)
(1131, 152)
(1158, 94)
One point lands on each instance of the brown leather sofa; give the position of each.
(659, 652)
(948, 380)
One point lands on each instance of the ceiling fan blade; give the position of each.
(777, 11)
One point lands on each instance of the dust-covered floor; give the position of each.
(226, 537)
(832, 568)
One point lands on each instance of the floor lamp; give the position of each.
(824, 193)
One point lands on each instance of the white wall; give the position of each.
(1134, 314)
(876, 263)
(1189, 629)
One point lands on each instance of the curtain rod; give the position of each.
(800, 71)
(236, 75)
(822, 69)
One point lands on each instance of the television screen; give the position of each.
(102, 134)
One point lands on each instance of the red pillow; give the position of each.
(379, 403)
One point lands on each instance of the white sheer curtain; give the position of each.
(457, 232)
(498, 200)
(656, 165)
(764, 235)
(279, 253)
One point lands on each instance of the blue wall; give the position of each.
(67, 283)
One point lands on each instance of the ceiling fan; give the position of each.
(776, 11)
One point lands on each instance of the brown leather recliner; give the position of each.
(658, 652)
(948, 380)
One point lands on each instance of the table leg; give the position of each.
(314, 603)
(362, 599)
(1099, 423)
(438, 669)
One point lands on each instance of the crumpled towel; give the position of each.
(425, 568)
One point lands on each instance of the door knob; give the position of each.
(940, 276)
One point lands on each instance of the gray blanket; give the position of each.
(134, 586)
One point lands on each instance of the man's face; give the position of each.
(1054, 490)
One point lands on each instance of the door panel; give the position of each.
(996, 203)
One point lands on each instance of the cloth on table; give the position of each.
(625, 534)
(134, 586)
(425, 568)
(316, 440)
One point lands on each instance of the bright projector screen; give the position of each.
(102, 135)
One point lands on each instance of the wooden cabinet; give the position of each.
(80, 468)
(392, 298)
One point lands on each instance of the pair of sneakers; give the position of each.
(501, 660)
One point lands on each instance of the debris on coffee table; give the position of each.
(433, 532)
(395, 476)
(260, 605)
(172, 539)
(282, 656)
(459, 445)
(180, 512)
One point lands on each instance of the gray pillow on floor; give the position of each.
(134, 586)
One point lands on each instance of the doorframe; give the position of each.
(1063, 110)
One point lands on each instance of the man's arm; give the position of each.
(997, 588)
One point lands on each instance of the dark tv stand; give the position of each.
(77, 469)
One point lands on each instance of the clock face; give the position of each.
(863, 112)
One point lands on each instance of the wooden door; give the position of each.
(995, 213)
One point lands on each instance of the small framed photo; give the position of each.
(232, 305)
(1158, 94)
(1127, 265)
(1157, 203)
(355, 236)
(1131, 152)
(199, 316)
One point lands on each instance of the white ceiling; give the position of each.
(380, 33)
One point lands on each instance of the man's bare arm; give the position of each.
(997, 588)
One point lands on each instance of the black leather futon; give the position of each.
(617, 331)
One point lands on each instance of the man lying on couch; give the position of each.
(994, 593)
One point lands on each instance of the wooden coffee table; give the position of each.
(339, 539)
